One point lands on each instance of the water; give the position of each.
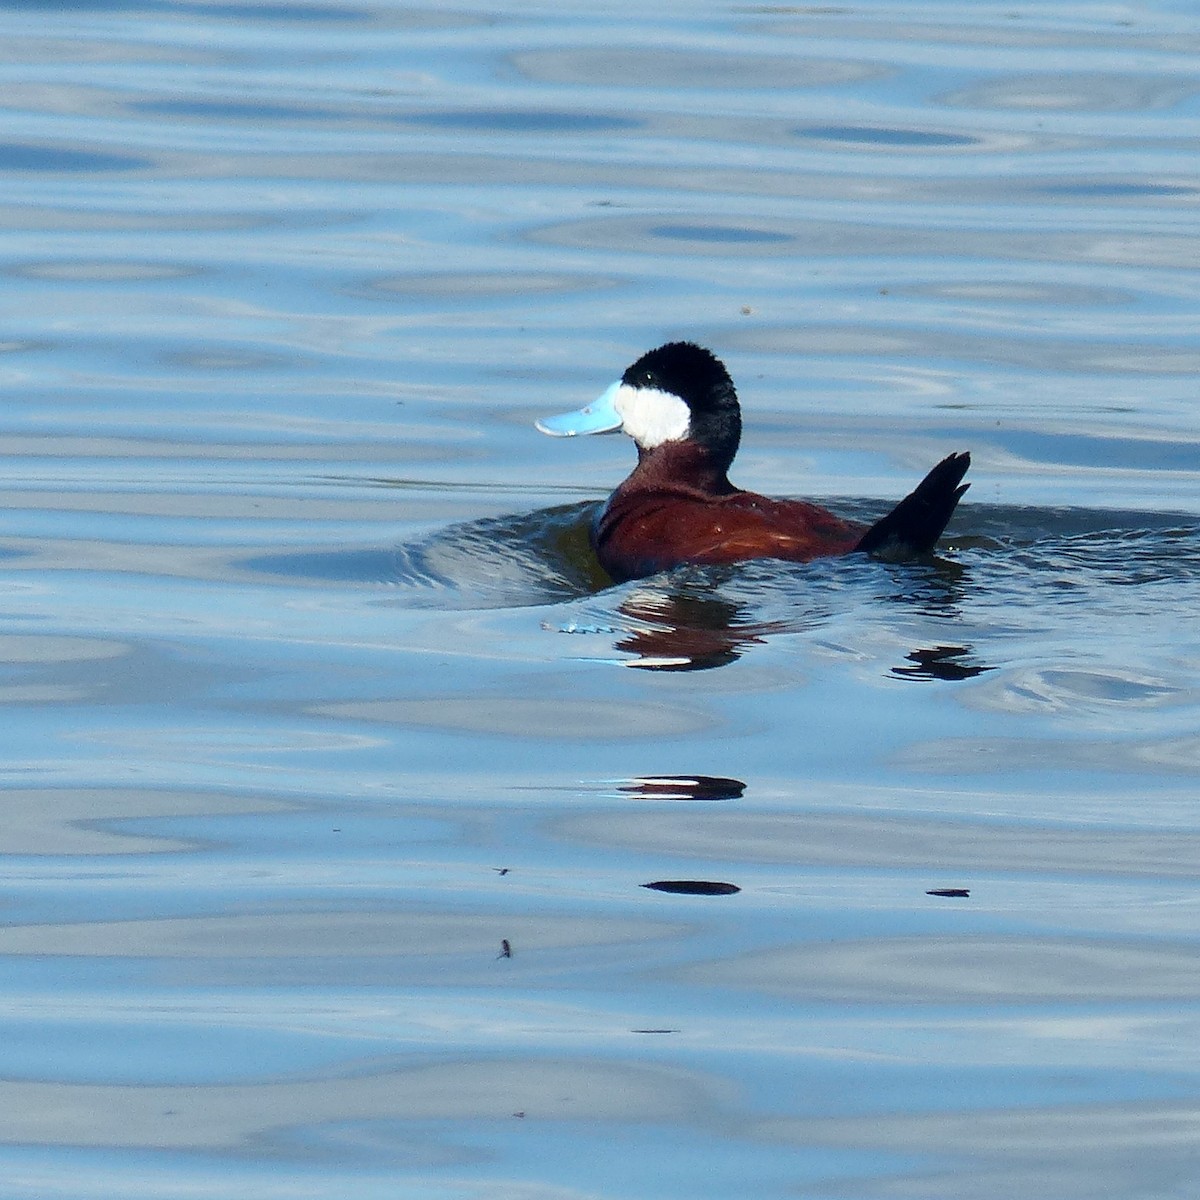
(334, 774)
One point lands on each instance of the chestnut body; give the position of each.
(655, 520)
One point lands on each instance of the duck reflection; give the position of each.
(940, 662)
(693, 887)
(687, 627)
(682, 630)
(684, 787)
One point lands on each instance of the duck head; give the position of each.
(677, 393)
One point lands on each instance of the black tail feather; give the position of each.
(916, 523)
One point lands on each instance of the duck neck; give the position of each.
(685, 465)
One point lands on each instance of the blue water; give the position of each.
(334, 771)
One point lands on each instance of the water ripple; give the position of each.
(333, 780)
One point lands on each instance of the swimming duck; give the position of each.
(679, 405)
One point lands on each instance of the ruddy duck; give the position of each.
(679, 405)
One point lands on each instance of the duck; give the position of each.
(679, 405)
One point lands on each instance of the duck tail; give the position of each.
(916, 523)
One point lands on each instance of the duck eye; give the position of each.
(647, 379)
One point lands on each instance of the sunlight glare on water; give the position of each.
(361, 839)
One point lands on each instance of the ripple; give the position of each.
(1075, 91)
(1035, 351)
(568, 718)
(1076, 1151)
(104, 272)
(684, 236)
(229, 359)
(1044, 292)
(1074, 692)
(723, 234)
(91, 220)
(1118, 189)
(486, 120)
(964, 970)
(482, 1090)
(1147, 757)
(1176, 754)
(681, 67)
(220, 744)
(899, 842)
(322, 935)
(275, 12)
(77, 820)
(461, 285)
(24, 156)
(521, 560)
(272, 12)
(234, 110)
(776, 237)
(24, 346)
(77, 51)
(887, 137)
(38, 648)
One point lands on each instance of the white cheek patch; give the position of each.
(652, 417)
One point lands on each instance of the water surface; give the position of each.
(335, 770)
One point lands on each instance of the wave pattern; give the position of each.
(359, 838)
